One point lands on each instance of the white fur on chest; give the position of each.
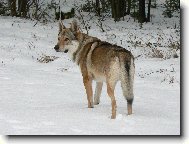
(72, 48)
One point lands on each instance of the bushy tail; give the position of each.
(127, 79)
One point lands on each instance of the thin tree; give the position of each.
(22, 8)
(12, 5)
(123, 8)
(148, 15)
(113, 9)
(142, 15)
(98, 7)
(129, 7)
(118, 8)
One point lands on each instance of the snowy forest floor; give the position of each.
(38, 98)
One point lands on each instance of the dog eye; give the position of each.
(66, 39)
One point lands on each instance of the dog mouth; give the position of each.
(60, 51)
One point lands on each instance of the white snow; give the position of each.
(49, 98)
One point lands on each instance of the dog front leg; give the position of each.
(88, 87)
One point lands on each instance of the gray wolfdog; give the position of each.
(99, 61)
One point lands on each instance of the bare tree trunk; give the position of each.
(148, 16)
(118, 9)
(113, 8)
(98, 7)
(122, 8)
(129, 7)
(22, 8)
(13, 7)
(142, 15)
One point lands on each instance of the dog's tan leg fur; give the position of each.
(88, 86)
(98, 91)
(129, 109)
(87, 81)
(110, 90)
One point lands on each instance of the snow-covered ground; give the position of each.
(49, 98)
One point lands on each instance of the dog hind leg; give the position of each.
(88, 86)
(110, 90)
(98, 91)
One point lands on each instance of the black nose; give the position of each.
(56, 47)
(66, 51)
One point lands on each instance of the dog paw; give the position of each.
(113, 117)
(90, 106)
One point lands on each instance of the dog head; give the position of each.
(67, 41)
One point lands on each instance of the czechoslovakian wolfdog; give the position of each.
(99, 61)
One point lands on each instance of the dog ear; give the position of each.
(61, 26)
(74, 27)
